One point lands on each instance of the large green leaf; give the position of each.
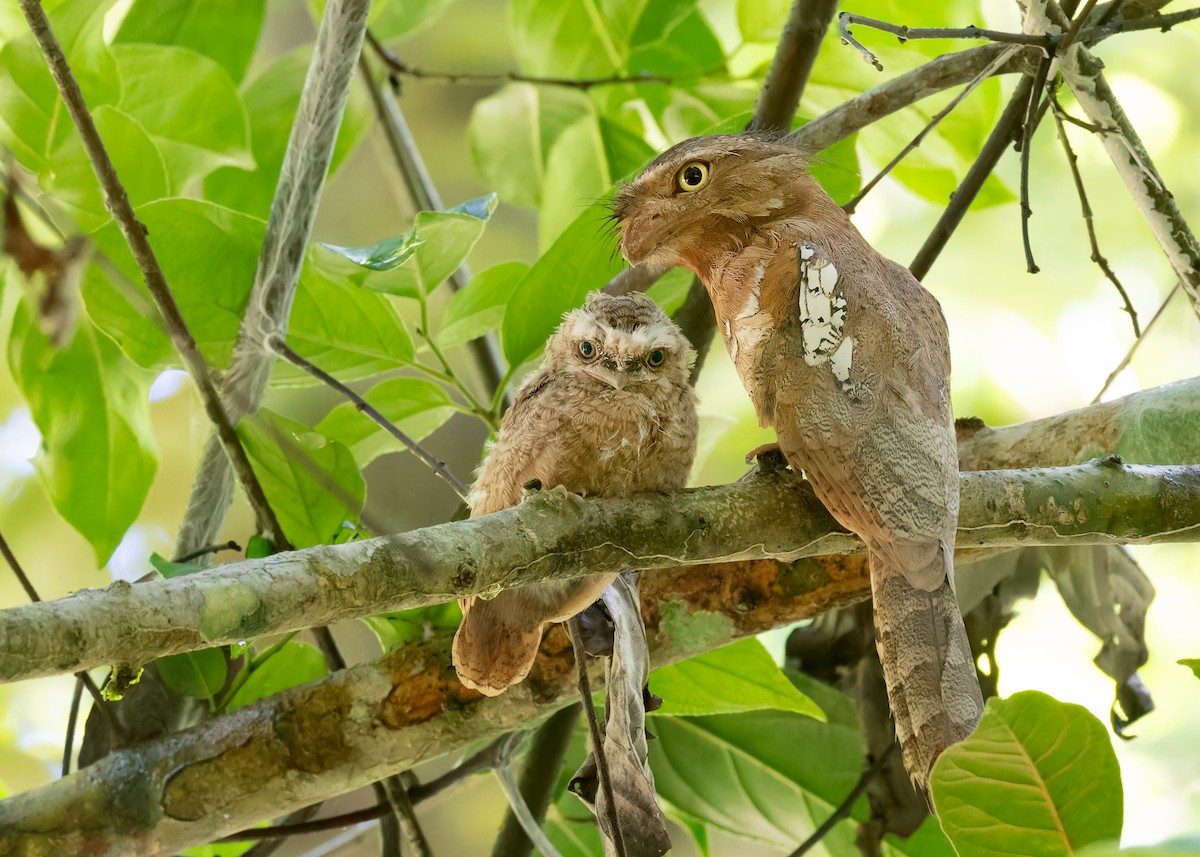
(91, 405)
(393, 19)
(583, 259)
(739, 677)
(1191, 663)
(188, 105)
(271, 99)
(1038, 777)
(33, 121)
(70, 177)
(409, 626)
(312, 483)
(342, 328)
(414, 405)
(573, 38)
(769, 776)
(674, 39)
(208, 254)
(479, 308)
(223, 30)
(513, 131)
(198, 674)
(1186, 847)
(420, 260)
(293, 664)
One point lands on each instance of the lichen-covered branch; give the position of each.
(293, 211)
(556, 535)
(374, 720)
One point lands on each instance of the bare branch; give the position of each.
(439, 467)
(117, 202)
(1086, 209)
(552, 535)
(799, 44)
(293, 210)
(400, 68)
(904, 34)
(1120, 367)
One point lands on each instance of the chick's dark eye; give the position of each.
(586, 350)
(656, 357)
(692, 176)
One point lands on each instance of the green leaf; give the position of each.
(271, 100)
(583, 259)
(572, 38)
(170, 569)
(188, 105)
(258, 547)
(513, 131)
(768, 776)
(293, 664)
(1191, 663)
(674, 39)
(200, 675)
(1038, 777)
(312, 483)
(392, 19)
(208, 254)
(419, 261)
(414, 405)
(218, 849)
(33, 121)
(739, 677)
(837, 170)
(347, 331)
(92, 407)
(671, 290)
(71, 178)
(409, 626)
(223, 30)
(479, 308)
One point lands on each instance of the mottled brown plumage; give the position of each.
(846, 355)
(609, 413)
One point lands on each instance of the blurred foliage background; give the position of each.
(1024, 346)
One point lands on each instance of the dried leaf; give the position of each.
(53, 274)
(643, 826)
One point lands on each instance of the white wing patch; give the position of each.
(823, 315)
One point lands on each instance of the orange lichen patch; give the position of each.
(313, 729)
(423, 686)
(759, 594)
(203, 788)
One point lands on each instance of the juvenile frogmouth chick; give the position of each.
(846, 355)
(609, 413)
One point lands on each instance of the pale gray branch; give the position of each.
(301, 179)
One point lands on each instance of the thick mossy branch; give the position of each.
(556, 535)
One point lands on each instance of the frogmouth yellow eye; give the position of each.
(587, 350)
(692, 176)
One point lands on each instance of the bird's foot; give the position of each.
(768, 458)
(764, 449)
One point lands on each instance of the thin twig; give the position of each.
(846, 806)
(402, 808)
(1137, 342)
(539, 776)
(993, 148)
(72, 721)
(117, 202)
(799, 44)
(483, 760)
(277, 345)
(399, 67)
(850, 206)
(81, 677)
(1099, 33)
(1076, 24)
(575, 632)
(1031, 116)
(230, 545)
(1088, 220)
(424, 196)
(904, 34)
